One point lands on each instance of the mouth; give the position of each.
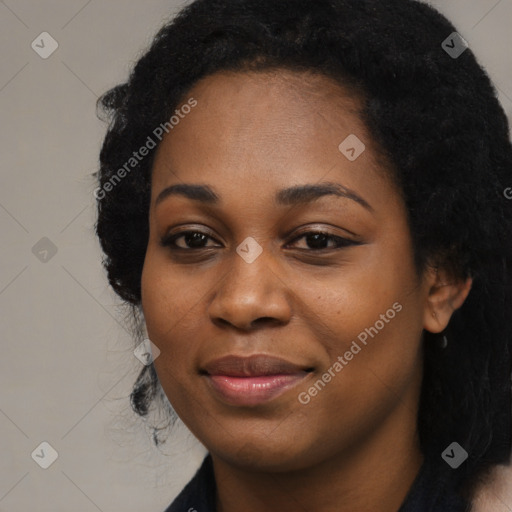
(253, 380)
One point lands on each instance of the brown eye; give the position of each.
(192, 239)
(316, 240)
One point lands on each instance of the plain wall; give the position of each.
(67, 366)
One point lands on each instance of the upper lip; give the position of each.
(252, 366)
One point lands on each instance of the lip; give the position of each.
(253, 380)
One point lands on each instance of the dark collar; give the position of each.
(424, 496)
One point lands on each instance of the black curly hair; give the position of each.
(436, 118)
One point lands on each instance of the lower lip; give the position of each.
(253, 390)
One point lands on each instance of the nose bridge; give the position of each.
(251, 265)
(252, 287)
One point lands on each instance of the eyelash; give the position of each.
(170, 241)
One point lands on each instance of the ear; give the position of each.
(444, 296)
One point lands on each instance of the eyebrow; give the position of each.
(296, 195)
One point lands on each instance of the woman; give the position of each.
(307, 202)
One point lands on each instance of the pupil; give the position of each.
(318, 238)
(193, 238)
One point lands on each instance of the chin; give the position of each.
(265, 457)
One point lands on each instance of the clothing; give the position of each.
(199, 494)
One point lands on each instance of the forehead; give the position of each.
(266, 129)
(274, 103)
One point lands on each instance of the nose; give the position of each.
(251, 295)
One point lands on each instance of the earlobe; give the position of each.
(444, 297)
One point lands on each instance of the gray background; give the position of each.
(67, 365)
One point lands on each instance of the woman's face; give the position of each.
(343, 309)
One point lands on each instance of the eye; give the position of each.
(315, 240)
(194, 240)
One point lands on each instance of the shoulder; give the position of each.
(494, 494)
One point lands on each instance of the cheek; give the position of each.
(370, 315)
(170, 304)
(171, 301)
(372, 347)
(343, 303)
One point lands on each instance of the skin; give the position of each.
(495, 492)
(354, 446)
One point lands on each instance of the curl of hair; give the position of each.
(439, 122)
